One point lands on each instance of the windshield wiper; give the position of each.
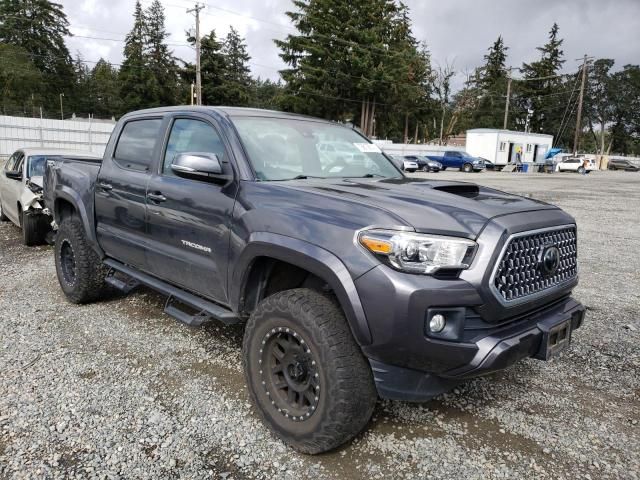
(370, 175)
(297, 177)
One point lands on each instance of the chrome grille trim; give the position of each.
(516, 277)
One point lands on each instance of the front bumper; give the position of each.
(523, 338)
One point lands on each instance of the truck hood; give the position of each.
(442, 207)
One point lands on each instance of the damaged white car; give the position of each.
(21, 191)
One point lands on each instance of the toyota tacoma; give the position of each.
(353, 282)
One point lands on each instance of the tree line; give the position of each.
(355, 62)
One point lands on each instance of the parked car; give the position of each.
(488, 164)
(459, 160)
(21, 191)
(352, 280)
(575, 164)
(404, 164)
(627, 165)
(424, 164)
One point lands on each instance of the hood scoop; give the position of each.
(462, 190)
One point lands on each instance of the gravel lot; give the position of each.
(118, 389)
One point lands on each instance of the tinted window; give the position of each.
(195, 136)
(135, 146)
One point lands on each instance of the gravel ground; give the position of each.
(118, 389)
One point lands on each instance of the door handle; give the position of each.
(105, 186)
(156, 197)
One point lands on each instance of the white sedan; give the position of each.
(21, 191)
(576, 164)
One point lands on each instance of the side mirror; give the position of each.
(14, 174)
(197, 165)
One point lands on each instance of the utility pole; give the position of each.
(61, 111)
(506, 105)
(576, 138)
(196, 9)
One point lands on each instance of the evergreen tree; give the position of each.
(354, 60)
(266, 94)
(135, 76)
(162, 78)
(39, 28)
(20, 82)
(104, 90)
(539, 92)
(212, 67)
(236, 79)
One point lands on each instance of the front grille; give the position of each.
(520, 272)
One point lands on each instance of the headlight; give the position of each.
(419, 253)
(434, 164)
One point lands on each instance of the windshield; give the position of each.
(36, 165)
(285, 149)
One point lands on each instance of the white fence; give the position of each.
(75, 134)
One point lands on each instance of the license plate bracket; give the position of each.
(554, 339)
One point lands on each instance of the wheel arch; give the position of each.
(314, 266)
(68, 203)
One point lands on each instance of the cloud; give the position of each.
(455, 31)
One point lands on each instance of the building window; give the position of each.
(528, 148)
(503, 146)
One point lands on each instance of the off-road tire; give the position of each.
(345, 392)
(87, 284)
(3, 217)
(467, 168)
(34, 229)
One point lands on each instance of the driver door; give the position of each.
(188, 219)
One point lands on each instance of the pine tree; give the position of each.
(39, 27)
(354, 60)
(104, 90)
(162, 83)
(236, 84)
(20, 82)
(543, 82)
(135, 75)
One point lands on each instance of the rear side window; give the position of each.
(136, 143)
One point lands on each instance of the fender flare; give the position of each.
(65, 193)
(312, 258)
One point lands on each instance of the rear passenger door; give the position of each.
(121, 188)
(188, 219)
(454, 159)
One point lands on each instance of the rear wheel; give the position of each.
(467, 167)
(305, 373)
(425, 168)
(80, 272)
(581, 170)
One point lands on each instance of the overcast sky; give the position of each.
(457, 32)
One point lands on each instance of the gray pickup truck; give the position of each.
(352, 280)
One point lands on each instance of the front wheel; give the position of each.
(425, 169)
(80, 271)
(305, 373)
(467, 168)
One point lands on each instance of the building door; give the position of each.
(510, 156)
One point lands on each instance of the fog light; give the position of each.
(437, 322)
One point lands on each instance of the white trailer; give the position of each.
(503, 147)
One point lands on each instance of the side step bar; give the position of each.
(206, 311)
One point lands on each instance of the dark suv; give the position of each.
(352, 280)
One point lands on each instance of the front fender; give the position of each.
(313, 259)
